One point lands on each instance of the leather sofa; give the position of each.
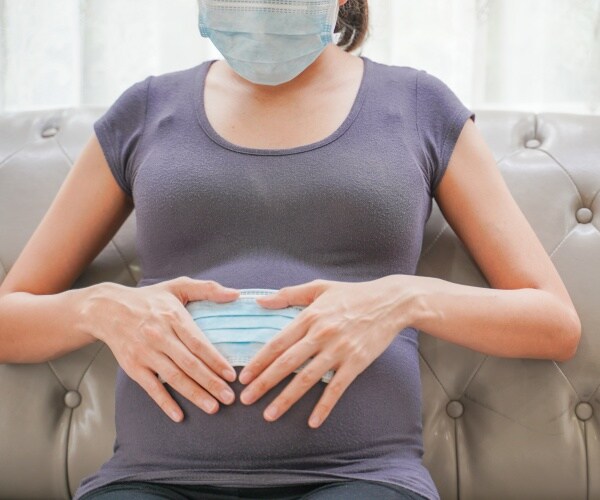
(494, 428)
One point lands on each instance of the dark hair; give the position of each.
(353, 23)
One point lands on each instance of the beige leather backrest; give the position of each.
(494, 428)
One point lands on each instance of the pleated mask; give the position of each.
(268, 42)
(238, 329)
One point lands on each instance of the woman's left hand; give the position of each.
(344, 325)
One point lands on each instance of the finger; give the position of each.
(340, 381)
(289, 335)
(195, 340)
(198, 371)
(300, 384)
(187, 289)
(156, 390)
(285, 364)
(178, 380)
(300, 295)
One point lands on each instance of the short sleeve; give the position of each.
(441, 116)
(120, 129)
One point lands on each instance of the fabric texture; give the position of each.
(351, 207)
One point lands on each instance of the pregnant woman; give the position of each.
(285, 187)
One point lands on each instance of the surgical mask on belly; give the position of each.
(268, 42)
(238, 329)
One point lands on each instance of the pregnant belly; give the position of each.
(378, 415)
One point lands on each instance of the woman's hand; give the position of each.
(151, 334)
(346, 326)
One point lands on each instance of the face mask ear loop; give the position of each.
(336, 37)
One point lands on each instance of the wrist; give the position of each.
(85, 304)
(415, 300)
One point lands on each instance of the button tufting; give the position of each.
(583, 215)
(72, 399)
(533, 143)
(455, 409)
(584, 411)
(50, 132)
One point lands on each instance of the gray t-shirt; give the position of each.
(351, 207)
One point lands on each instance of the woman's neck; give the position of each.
(330, 65)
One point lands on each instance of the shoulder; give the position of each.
(162, 86)
(392, 72)
(178, 75)
(427, 86)
(172, 80)
(392, 88)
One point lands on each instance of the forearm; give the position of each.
(36, 328)
(521, 323)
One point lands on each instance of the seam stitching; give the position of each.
(142, 134)
(453, 126)
(122, 256)
(587, 460)
(120, 177)
(564, 169)
(435, 376)
(475, 372)
(565, 238)
(14, 153)
(3, 268)
(439, 234)
(58, 378)
(456, 457)
(420, 140)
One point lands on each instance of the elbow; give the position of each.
(570, 338)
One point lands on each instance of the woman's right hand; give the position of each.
(151, 334)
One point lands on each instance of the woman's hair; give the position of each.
(353, 23)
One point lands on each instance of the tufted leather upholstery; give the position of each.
(494, 428)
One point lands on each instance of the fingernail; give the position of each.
(175, 415)
(227, 395)
(209, 405)
(228, 374)
(271, 412)
(247, 397)
(314, 421)
(245, 376)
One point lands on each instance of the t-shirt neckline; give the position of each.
(198, 89)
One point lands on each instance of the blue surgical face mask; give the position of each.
(238, 329)
(268, 41)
